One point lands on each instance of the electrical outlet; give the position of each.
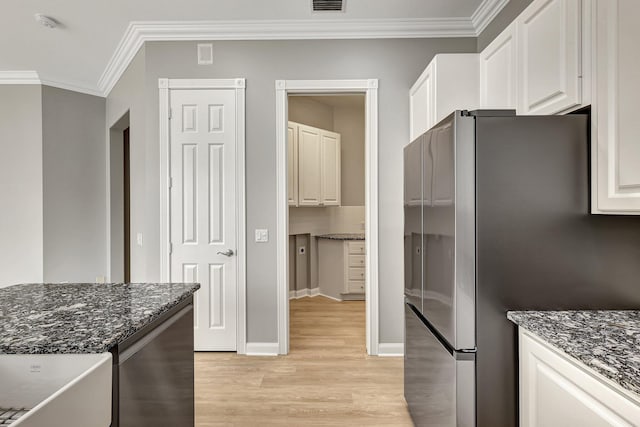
(262, 235)
(100, 279)
(302, 250)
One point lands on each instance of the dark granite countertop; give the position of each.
(81, 317)
(342, 236)
(606, 341)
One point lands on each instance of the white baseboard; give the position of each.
(391, 349)
(262, 349)
(301, 293)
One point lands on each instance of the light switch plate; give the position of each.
(139, 239)
(262, 235)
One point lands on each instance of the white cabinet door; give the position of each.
(558, 391)
(292, 163)
(548, 33)
(421, 104)
(616, 130)
(456, 79)
(499, 70)
(309, 168)
(330, 168)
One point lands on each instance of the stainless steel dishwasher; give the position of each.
(154, 373)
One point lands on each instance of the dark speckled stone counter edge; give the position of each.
(341, 236)
(81, 318)
(608, 342)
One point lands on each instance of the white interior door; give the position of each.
(203, 218)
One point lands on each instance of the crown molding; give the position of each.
(19, 78)
(485, 13)
(72, 87)
(140, 32)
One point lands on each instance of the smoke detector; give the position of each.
(327, 5)
(45, 20)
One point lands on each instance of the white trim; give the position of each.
(485, 13)
(370, 89)
(29, 77)
(19, 78)
(139, 32)
(391, 349)
(262, 349)
(164, 87)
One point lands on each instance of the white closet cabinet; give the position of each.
(556, 390)
(549, 56)
(309, 169)
(316, 163)
(499, 70)
(292, 163)
(330, 168)
(616, 90)
(450, 82)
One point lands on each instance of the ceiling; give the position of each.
(88, 51)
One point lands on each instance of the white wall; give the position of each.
(21, 211)
(74, 171)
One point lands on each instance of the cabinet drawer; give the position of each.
(355, 286)
(356, 248)
(356, 273)
(356, 260)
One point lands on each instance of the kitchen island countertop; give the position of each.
(81, 317)
(607, 341)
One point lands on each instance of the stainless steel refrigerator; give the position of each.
(497, 218)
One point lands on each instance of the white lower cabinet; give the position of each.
(556, 390)
(341, 267)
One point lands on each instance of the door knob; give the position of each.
(228, 252)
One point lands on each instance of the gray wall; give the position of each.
(128, 96)
(501, 21)
(21, 214)
(349, 123)
(310, 112)
(74, 185)
(397, 63)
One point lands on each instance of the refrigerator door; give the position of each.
(413, 222)
(439, 384)
(448, 224)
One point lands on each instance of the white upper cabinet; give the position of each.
(421, 104)
(498, 71)
(616, 91)
(450, 82)
(314, 166)
(330, 168)
(549, 56)
(309, 179)
(292, 163)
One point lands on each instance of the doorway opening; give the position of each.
(327, 191)
(120, 201)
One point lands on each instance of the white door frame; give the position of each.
(370, 89)
(165, 86)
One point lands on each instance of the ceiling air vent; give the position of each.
(327, 5)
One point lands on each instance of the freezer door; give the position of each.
(413, 222)
(448, 224)
(439, 384)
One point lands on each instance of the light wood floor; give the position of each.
(326, 380)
